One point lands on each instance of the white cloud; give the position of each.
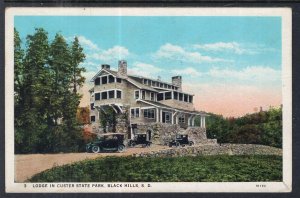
(175, 52)
(87, 43)
(112, 54)
(222, 46)
(187, 71)
(257, 73)
(144, 69)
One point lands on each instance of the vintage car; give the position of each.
(139, 139)
(107, 142)
(180, 140)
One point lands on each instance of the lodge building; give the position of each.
(144, 100)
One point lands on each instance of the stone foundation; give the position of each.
(161, 133)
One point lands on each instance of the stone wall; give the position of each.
(214, 149)
(163, 132)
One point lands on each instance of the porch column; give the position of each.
(201, 121)
(157, 115)
(160, 118)
(193, 121)
(189, 120)
(174, 117)
(204, 122)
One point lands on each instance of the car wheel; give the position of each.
(121, 148)
(177, 144)
(96, 149)
(191, 143)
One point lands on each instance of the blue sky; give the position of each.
(240, 53)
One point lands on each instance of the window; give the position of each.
(185, 98)
(111, 94)
(135, 112)
(137, 94)
(93, 118)
(160, 96)
(153, 83)
(97, 96)
(111, 79)
(165, 86)
(168, 95)
(161, 85)
(181, 119)
(97, 81)
(175, 95)
(169, 87)
(104, 80)
(119, 94)
(143, 95)
(92, 106)
(180, 96)
(167, 117)
(149, 82)
(191, 99)
(119, 80)
(104, 95)
(152, 96)
(149, 113)
(145, 81)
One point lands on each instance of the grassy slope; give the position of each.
(186, 169)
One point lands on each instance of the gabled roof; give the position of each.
(128, 78)
(160, 105)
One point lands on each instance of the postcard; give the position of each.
(148, 100)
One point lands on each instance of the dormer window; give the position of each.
(143, 95)
(104, 80)
(97, 81)
(111, 79)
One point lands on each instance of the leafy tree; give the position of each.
(264, 127)
(83, 115)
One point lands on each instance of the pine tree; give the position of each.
(77, 58)
(31, 77)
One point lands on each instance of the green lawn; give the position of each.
(220, 168)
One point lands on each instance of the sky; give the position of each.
(231, 64)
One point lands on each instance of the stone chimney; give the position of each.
(105, 66)
(122, 68)
(177, 81)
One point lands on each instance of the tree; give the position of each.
(77, 57)
(46, 105)
(31, 77)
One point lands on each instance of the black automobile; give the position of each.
(107, 142)
(140, 139)
(180, 140)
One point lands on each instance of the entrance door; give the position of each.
(166, 117)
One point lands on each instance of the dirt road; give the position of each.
(28, 165)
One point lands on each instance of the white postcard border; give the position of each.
(285, 186)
